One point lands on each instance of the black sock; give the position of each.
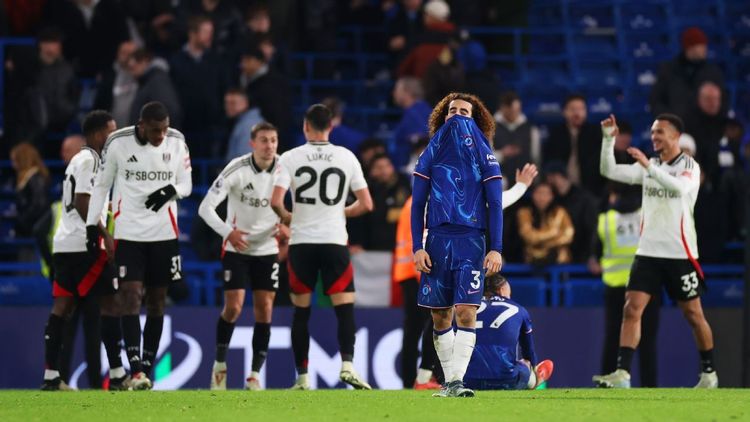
(224, 332)
(301, 338)
(346, 330)
(625, 358)
(53, 333)
(111, 335)
(131, 333)
(261, 337)
(151, 336)
(707, 360)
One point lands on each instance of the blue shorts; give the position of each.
(518, 382)
(456, 276)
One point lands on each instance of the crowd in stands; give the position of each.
(222, 66)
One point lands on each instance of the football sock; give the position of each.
(151, 336)
(707, 360)
(346, 330)
(131, 333)
(111, 335)
(463, 347)
(261, 337)
(53, 341)
(301, 338)
(444, 348)
(423, 376)
(625, 358)
(224, 332)
(116, 373)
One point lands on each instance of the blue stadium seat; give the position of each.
(25, 290)
(583, 292)
(643, 15)
(724, 293)
(530, 292)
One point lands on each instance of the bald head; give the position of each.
(407, 91)
(71, 146)
(709, 98)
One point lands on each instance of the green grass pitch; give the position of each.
(357, 406)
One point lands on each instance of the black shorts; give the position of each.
(254, 272)
(308, 261)
(81, 274)
(156, 264)
(682, 278)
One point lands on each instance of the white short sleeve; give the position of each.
(283, 175)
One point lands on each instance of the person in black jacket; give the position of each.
(576, 143)
(32, 184)
(154, 84)
(117, 89)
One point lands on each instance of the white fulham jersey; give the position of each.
(669, 194)
(320, 176)
(248, 189)
(137, 169)
(70, 235)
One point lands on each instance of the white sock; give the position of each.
(302, 379)
(444, 348)
(423, 376)
(532, 380)
(50, 374)
(116, 373)
(462, 350)
(255, 374)
(220, 366)
(347, 366)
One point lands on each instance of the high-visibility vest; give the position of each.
(56, 210)
(403, 258)
(619, 234)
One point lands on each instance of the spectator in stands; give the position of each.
(706, 122)
(153, 25)
(576, 142)
(581, 207)
(93, 30)
(32, 184)
(267, 89)
(117, 89)
(259, 31)
(408, 95)
(341, 134)
(438, 34)
(678, 80)
(152, 74)
(52, 101)
(241, 119)
(517, 140)
(226, 19)
(368, 149)
(71, 146)
(711, 221)
(404, 22)
(623, 141)
(545, 229)
(376, 231)
(200, 79)
(733, 185)
(419, 147)
(443, 76)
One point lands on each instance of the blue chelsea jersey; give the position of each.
(457, 162)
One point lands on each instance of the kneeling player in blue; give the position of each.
(503, 325)
(461, 177)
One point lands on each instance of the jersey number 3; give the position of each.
(504, 315)
(323, 189)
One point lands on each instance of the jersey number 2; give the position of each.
(322, 191)
(504, 315)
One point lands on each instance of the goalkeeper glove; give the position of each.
(160, 197)
(92, 239)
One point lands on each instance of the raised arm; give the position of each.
(631, 174)
(524, 178)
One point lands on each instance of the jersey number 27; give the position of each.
(504, 315)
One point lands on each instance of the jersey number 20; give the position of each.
(323, 189)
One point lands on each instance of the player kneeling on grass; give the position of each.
(503, 325)
(250, 252)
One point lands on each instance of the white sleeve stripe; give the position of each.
(492, 177)
(416, 173)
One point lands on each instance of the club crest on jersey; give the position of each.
(468, 140)
(167, 156)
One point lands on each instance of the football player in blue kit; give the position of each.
(458, 180)
(502, 326)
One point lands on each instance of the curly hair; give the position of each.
(479, 113)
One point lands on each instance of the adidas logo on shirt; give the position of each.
(132, 159)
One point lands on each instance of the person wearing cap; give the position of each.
(438, 33)
(678, 80)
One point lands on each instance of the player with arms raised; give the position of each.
(667, 251)
(461, 177)
(320, 176)
(250, 252)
